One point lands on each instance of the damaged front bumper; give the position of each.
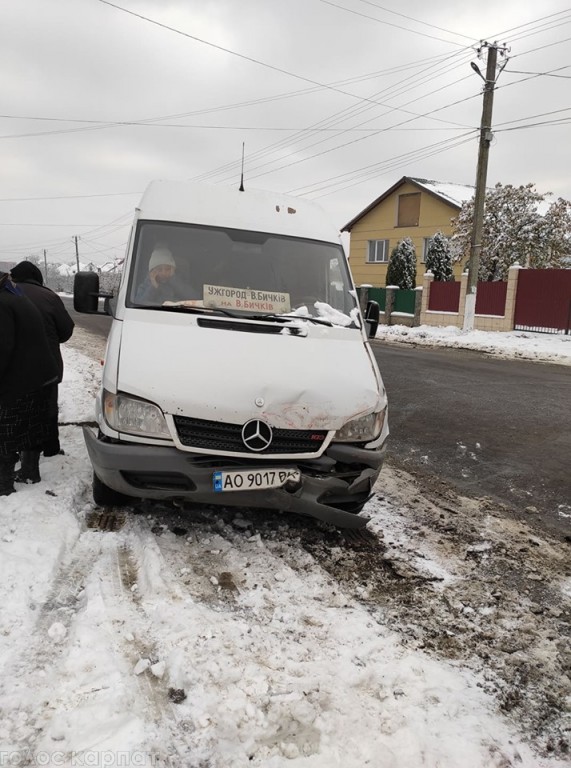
(332, 488)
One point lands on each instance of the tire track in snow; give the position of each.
(48, 644)
(454, 580)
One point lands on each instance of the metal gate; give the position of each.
(543, 301)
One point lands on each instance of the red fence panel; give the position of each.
(543, 300)
(444, 297)
(491, 298)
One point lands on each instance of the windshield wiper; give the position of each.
(184, 308)
(284, 318)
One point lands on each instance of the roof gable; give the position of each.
(450, 193)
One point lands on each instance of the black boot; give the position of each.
(7, 475)
(29, 471)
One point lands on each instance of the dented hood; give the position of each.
(317, 380)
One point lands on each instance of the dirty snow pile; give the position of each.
(521, 345)
(206, 645)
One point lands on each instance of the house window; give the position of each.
(378, 252)
(425, 247)
(408, 210)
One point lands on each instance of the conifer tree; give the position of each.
(402, 265)
(439, 259)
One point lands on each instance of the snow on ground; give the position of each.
(521, 345)
(213, 639)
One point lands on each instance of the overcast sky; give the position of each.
(335, 100)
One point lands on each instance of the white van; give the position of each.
(238, 369)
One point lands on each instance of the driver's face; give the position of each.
(163, 272)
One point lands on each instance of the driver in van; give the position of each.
(158, 286)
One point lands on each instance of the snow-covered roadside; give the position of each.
(219, 640)
(519, 345)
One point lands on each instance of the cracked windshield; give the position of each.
(244, 273)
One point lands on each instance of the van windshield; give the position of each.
(245, 273)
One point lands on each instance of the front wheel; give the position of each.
(104, 496)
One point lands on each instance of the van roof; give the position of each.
(223, 206)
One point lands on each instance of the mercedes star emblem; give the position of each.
(256, 435)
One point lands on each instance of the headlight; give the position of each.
(361, 430)
(134, 417)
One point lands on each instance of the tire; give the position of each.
(104, 496)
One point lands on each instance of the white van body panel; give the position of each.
(292, 375)
(253, 209)
(318, 381)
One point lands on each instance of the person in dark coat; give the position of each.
(59, 328)
(27, 368)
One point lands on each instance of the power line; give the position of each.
(260, 128)
(337, 117)
(540, 28)
(64, 197)
(250, 102)
(35, 224)
(540, 74)
(390, 24)
(417, 21)
(532, 117)
(529, 23)
(232, 53)
(541, 48)
(544, 123)
(354, 141)
(395, 163)
(382, 165)
(527, 27)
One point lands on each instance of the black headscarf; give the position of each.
(24, 271)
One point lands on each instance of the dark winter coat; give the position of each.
(57, 322)
(26, 360)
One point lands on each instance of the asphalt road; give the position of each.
(489, 427)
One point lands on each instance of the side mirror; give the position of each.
(86, 294)
(372, 317)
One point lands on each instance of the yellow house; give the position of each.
(415, 208)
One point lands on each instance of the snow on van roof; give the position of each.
(224, 206)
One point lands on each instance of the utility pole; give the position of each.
(486, 137)
(76, 253)
(45, 266)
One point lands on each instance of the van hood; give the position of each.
(318, 380)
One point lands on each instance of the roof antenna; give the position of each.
(241, 189)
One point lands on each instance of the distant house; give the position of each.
(6, 266)
(415, 208)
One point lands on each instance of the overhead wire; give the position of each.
(160, 24)
(529, 32)
(390, 24)
(344, 187)
(533, 27)
(249, 102)
(337, 117)
(354, 141)
(356, 176)
(417, 21)
(357, 172)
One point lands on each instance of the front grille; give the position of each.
(220, 436)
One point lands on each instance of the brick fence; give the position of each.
(493, 312)
(530, 299)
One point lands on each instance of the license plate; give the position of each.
(253, 480)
